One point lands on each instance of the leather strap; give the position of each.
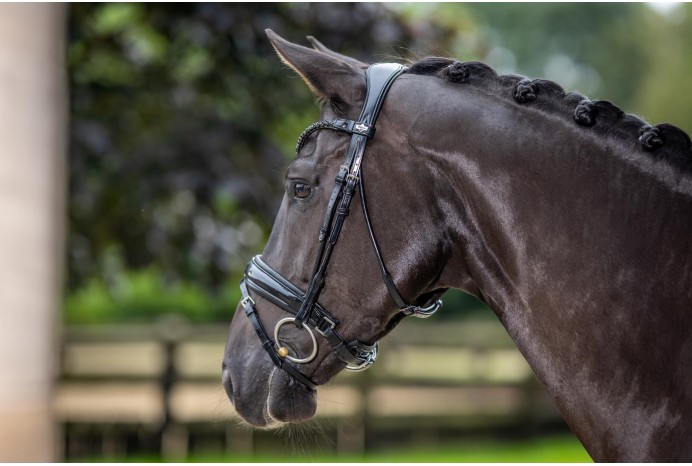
(379, 79)
(267, 343)
(409, 310)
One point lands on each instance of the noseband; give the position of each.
(308, 313)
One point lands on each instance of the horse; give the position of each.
(569, 218)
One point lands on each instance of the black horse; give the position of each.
(571, 219)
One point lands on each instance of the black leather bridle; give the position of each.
(308, 313)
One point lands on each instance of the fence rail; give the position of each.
(164, 380)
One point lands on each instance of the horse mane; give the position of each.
(662, 141)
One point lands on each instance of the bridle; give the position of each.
(261, 279)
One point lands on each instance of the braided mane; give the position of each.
(663, 141)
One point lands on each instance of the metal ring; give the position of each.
(283, 322)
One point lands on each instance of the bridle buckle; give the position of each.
(247, 299)
(353, 177)
(370, 359)
(320, 326)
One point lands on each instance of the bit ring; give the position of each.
(312, 355)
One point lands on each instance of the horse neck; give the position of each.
(574, 242)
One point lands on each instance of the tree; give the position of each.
(183, 120)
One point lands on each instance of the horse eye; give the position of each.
(302, 190)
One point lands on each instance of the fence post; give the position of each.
(32, 208)
(171, 330)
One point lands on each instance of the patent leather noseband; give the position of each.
(308, 314)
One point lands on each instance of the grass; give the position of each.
(554, 450)
(562, 449)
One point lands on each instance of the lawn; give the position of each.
(561, 449)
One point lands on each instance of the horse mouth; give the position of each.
(289, 401)
(277, 401)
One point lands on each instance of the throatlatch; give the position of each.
(261, 279)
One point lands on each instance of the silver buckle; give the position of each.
(332, 324)
(247, 299)
(423, 312)
(369, 361)
(353, 177)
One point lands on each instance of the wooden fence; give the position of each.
(157, 388)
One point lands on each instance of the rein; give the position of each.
(307, 313)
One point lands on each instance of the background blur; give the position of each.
(141, 153)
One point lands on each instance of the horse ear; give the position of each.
(329, 77)
(317, 45)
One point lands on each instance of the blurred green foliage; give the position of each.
(141, 296)
(182, 121)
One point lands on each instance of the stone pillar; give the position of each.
(33, 124)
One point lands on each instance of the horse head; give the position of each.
(271, 374)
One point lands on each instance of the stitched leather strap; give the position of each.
(379, 79)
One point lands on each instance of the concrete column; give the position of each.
(33, 125)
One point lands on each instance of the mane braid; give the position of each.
(662, 141)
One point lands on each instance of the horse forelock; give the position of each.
(663, 141)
